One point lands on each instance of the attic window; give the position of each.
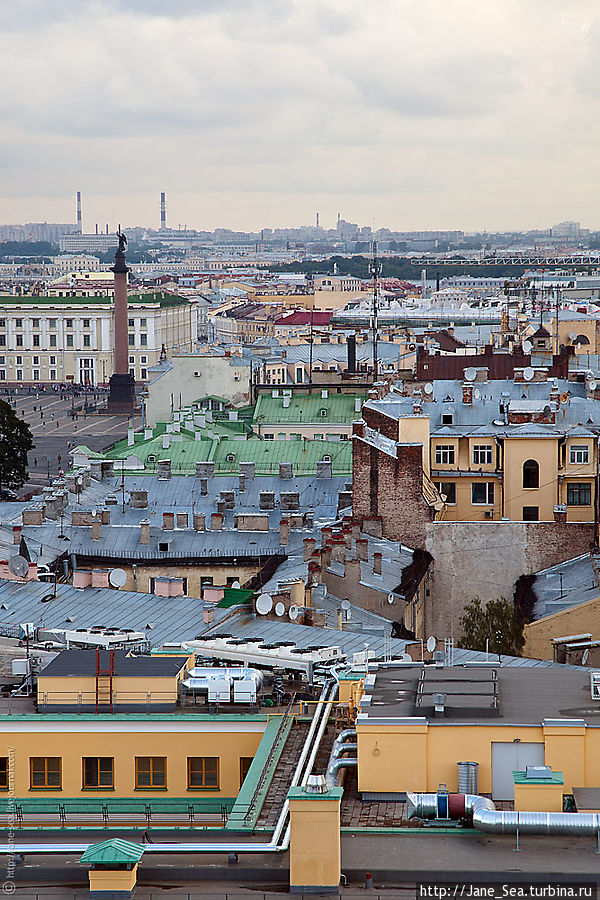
(230, 457)
(326, 459)
(448, 419)
(151, 458)
(163, 546)
(323, 412)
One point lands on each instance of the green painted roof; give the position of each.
(234, 596)
(521, 778)
(305, 409)
(114, 851)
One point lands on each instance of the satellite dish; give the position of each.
(19, 566)
(264, 604)
(431, 643)
(477, 393)
(235, 584)
(345, 605)
(279, 608)
(117, 577)
(528, 373)
(293, 613)
(391, 598)
(428, 389)
(592, 385)
(470, 373)
(589, 374)
(572, 335)
(527, 347)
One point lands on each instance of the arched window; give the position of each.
(531, 474)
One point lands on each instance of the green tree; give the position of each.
(497, 626)
(15, 442)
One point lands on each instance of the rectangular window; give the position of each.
(143, 340)
(143, 360)
(18, 323)
(51, 323)
(482, 455)
(3, 772)
(69, 340)
(53, 340)
(132, 340)
(444, 454)
(579, 455)
(130, 323)
(531, 513)
(2, 340)
(19, 360)
(36, 374)
(45, 773)
(98, 772)
(203, 772)
(482, 492)
(36, 360)
(448, 489)
(86, 323)
(142, 323)
(2, 374)
(268, 437)
(245, 763)
(52, 360)
(69, 323)
(579, 494)
(150, 772)
(87, 341)
(19, 340)
(447, 418)
(19, 374)
(2, 323)
(35, 323)
(52, 374)
(143, 373)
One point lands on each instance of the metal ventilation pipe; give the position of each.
(335, 763)
(485, 816)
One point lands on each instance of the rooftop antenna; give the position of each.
(375, 269)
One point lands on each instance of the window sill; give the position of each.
(88, 787)
(150, 788)
(45, 788)
(213, 789)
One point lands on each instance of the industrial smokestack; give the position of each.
(96, 228)
(351, 353)
(107, 229)
(163, 211)
(317, 220)
(79, 227)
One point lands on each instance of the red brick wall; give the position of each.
(378, 420)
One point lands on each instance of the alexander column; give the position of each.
(121, 397)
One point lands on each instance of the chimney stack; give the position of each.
(145, 531)
(96, 528)
(467, 393)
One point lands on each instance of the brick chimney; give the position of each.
(145, 531)
(377, 557)
(199, 522)
(182, 520)
(96, 529)
(216, 521)
(467, 392)
(168, 521)
(17, 534)
(560, 514)
(352, 569)
(309, 545)
(284, 531)
(362, 548)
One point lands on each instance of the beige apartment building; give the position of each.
(70, 339)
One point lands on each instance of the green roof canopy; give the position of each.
(115, 851)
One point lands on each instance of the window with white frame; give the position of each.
(482, 455)
(482, 492)
(579, 454)
(444, 455)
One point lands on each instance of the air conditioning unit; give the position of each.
(489, 514)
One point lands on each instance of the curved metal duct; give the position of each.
(485, 817)
(334, 764)
(334, 768)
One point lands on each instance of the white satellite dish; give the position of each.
(235, 584)
(428, 389)
(470, 373)
(117, 577)
(572, 335)
(592, 385)
(589, 374)
(528, 373)
(279, 608)
(477, 393)
(345, 605)
(293, 613)
(431, 643)
(264, 604)
(18, 566)
(391, 597)
(527, 347)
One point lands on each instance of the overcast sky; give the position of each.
(410, 114)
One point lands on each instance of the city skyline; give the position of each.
(407, 116)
